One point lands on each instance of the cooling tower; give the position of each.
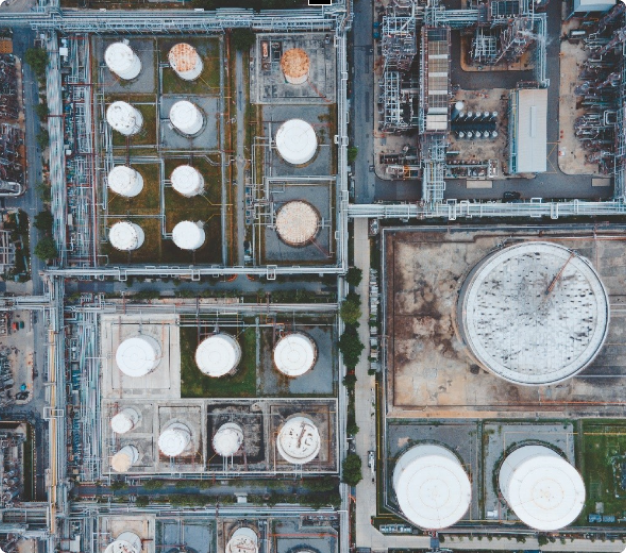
(542, 488)
(295, 66)
(125, 181)
(295, 354)
(188, 235)
(432, 487)
(228, 439)
(125, 458)
(125, 420)
(175, 439)
(186, 117)
(244, 540)
(298, 440)
(138, 356)
(296, 141)
(124, 118)
(122, 61)
(187, 181)
(218, 355)
(185, 61)
(126, 236)
(297, 223)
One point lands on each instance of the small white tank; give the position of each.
(185, 61)
(296, 142)
(175, 439)
(188, 235)
(126, 542)
(295, 354)
(126, 236)
(122, 60)
(298, 440)
(186, 117)
(243, 540)
(542, 488)
(124, 118)
(187, 181)
(125, 458)
(125, 420)
(228, 439)
(138, 356)
(218, 355)
(295, 66)
(125, 181)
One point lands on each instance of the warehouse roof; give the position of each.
(583, 6)
(530, 134)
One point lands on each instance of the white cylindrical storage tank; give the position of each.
(296, 141)
(125, 458)
(432, 487)
(188, 235)
(228, 439)
(295, 354)
(125, 181)
(138, 356)
(533, 313)
(186, 117)
(175, 439)
(122, 61)
(124, 118)
(125, 420)
(243, 540)
(298, 440)
(297, 223)
(295, 66)
(187, 181)
(126, 236)
(185, 61)
(542, 488)
(126, 542)
(218, 355)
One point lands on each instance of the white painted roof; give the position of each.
(432, 487)
(522, 332)
(296, 141)
(188, 235)
(124, 459)
(124, 421)
(122, 61)
(174, 440)
(125, 181)
(127, 542)
(228, 439)
(532, 130)
(298, 440)
(186, 117)
(185, 61)
(126, 236)
(295, 354)
(138, 356)
(218, 355)
(584, 6)
(297, 223)
(187, 180)
(124, 118)
(244, 540)
(542, 488)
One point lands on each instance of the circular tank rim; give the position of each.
(306, 457)
(295, 367)
(230, 357)
(296, 141)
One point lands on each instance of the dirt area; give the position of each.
(430, 372)
(18, 345)
(572, 158)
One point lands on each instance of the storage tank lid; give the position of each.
(125, 236)
(244, 540)
(228, 439)
(184, 113)
(122, 422)
(298, 440)
(125, 181)
(295, 63)
(295, 354)
(126, 542)
(138, 356)
(123, 460)
(183, 57)
(174, 440)
(218, 355)
(119, 57)
(124, 118)
(187, 180)
(188, 235)
(296, 141)
(297, 223)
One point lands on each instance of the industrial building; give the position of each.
(528, 119)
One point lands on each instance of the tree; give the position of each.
(351, 469)
(349, 381)
(37, 58)
(354, 276)
(352, 153)
(43, 139)
(350, 310)
(352, 427)
(46, 248)
(44, 221)
(243, 39)
(153, 485)
(142, 501)
(350, 346)
(42, 111)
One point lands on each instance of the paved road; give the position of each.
(241, 160)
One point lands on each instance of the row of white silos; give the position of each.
(128, 236)
(542, 489)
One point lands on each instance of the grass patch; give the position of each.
(148, 200)
(603, 455)
(147, 136)
(195, 384)
(208, 83)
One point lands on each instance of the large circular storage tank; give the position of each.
(125, 458)
(295, 66)
(188, 235)
(125, 420)
(138, 356)
(296, 141)
(243, 540)
(187, 181)
(126, 542)
(432, 487)
(124, 118)
(228, 439)
(125, 181)
(297, 223)
(126, 236)
(218, 355)
(175, 439)
(185, 61)
(122, 61)
(295, 354)
(534, 313)
(186, 117)
(298, 440)
(542, 488)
